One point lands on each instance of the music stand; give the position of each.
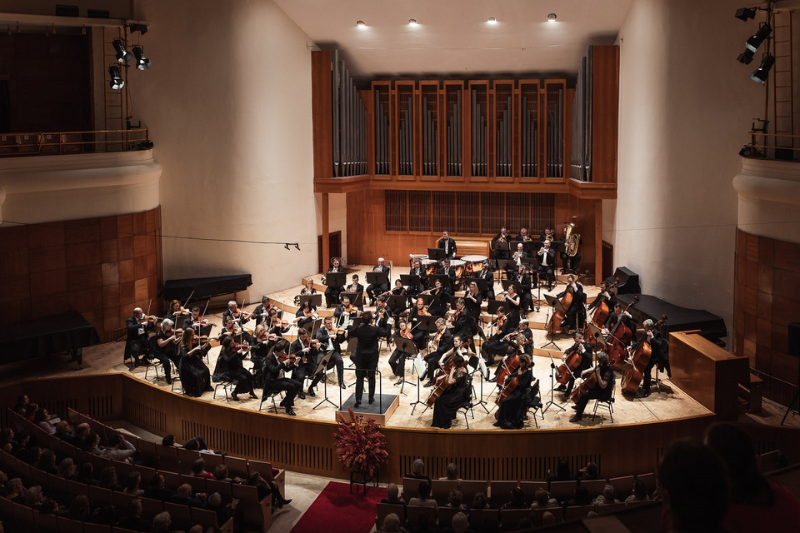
(483, 285)
(378, 278)
(484, 372)
(444, 278)
(552, 387)
(315, 299)
(504, 265)
(419, 368)
(322, 367)
(509, 283)
(410, 280)
(498, 246)
(437, 254)
(356, 298)
(408, 349)
(555, 303)
(427, 323)
(335, 279)
(598, 336)
(397, 301)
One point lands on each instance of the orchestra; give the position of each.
(450, 352)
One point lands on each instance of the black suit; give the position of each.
(473, 308)
(576, 313)
(526, 284)
(261, 313)
(448, 245)
(366, 357)
(332, 292)
(272, 373)
(382, 288)
(357, 289)
(336, 358)
(488, 276)
(659, 347)
(136, 343)
(550, 258)
(441, 308)
(423, 280)
(312, 359)
(576, 260)
(229, 314)
(445, 345)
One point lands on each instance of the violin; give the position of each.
(406, 333)
(454, 316)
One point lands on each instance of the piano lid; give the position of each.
(679, 318)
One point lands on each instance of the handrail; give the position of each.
(71, 142)
(766, 149)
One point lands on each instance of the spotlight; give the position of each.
(116, 82)
(491, 20)
(361, 24)
(123, 56)
(141, 28)
(412, 22)
(745, 151)
(141, 61)
(745, 57)
(552, 17)
(755, 41)
(745, 13)
(146, 145)
(762, 72)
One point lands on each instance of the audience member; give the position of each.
(7, 440)
(108, 479)
(455, 500)
(452, 473)
(517, 500)
(548, 518)
(543, 500)
(608, 496)
(589, 472)
(392, 523)
(199, 469)
(14, 490)
(423, 500)
(118, 449)
(47, 462)
(639, 493)
(42, 419)
(3, 481)
(132, 484)
(267, 486)
(86, 474)
(161, 523)
(393, 496)
(22, 404)
(133, 519)
(185, 497)
(224, 512)
(581, 495)
(80, 508)
(460, 523)
(479, 501)
(157, 489)
(417, 470)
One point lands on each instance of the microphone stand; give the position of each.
(552, 387)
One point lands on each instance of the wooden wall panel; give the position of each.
(766, 300)
(605, 113)
(321, 112)
(100, 267)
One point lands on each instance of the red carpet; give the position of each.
(337, 511)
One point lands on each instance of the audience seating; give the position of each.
(501, 492)
(562, 490)
(484, 519)
(470, 487)
(414, 514)
(384, 509)
(576, 512)
(529, 488)
(441, 488)
(594, 486)
(509, 518)
(610, 508)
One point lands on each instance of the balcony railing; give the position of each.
(772, 146)
(73, 142)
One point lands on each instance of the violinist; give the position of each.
(502, 237)
(277, 326)
(522, 277)
(446, 406)
(616, 316)
(383, 287)
(659, 355)
(511, 413)
(330, 340)
(177, 313)
(306, 315)
(233, 331)
(332, 292)
(381, 317)
(229, 368)
(438, 306)
(439, 345)
(195, 321)
(417, 270)
(233, 312)
(307, 350)
(462, 323)
(584, 351)
(195, 377)
(547, 260)
(487, 275)
(605, 295)
(523, 236)
(345, 313)
(366, 356)
(497, 344)
(261, 346)
(418, 311)
(167, 347)
(275, 368)
(356, 288)
(473, 301)
(602, 390)
(136, 345)
(397, 359)
(575, 317)
(447, 244)
(525, 330)
(261, 312)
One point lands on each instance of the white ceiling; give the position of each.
(453, 37)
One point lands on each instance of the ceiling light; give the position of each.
(361, 24)
(412, 22)
(755, 41)
(491, 20)
(116, 82)
(745, 57)
(745, 13)
(123, 56)
(762, 72)
(141, 61)
(552, 17)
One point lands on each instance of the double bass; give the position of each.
(617, 339)
(599, 317)
(634, 368)
(558, 316)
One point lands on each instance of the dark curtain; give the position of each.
(5, 107)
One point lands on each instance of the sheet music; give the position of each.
(482, 368)
(419, 365)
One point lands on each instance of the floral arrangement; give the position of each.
(360, 445)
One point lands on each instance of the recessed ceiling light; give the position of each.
(361, 24)
(412, 22)
(552, 17)
(491, 20)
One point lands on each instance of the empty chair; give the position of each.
(151, 507)
(67, 525)
(100, 496)
(414, 514)
(44, 522)
(8, 144)
(71, 143)
(223, 487)
(28, 144)
(484, 519)
(22, 514)
(50, 145)
(204, 517)
(236, 466)
(578, 512)
(179, 514)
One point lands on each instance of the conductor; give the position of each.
(366, 357)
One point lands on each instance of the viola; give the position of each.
(509, 366)
(406, 333)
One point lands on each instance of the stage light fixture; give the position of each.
(491, 20)
(762, 72)
(116, 82)
(552, 17)
(745, 13)
(142, 62)
(141, 28)
(745, 57)
(412, 22)
(361, 25)
(755, 41)
(123, 56)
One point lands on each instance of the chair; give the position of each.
(649, 482)
(222, 487)
(198, 484)
(171, 480)
(470, 487)
(179, 514)
(100, 463)
(6, 507)
(123, 469)
(146, 472)
(121, 500)
(605, 404)
(212, 460)
(100, 496)
(501, 492)
(116, 529)
(578, 512)
(557, 512)
(71, 143)
(440, 489)
(267, 394)
(414, 514)
(204, 517)
(509, 518)
(486, 519)
(467, 405)
(45, 522)
(253, 511)
(88, 527)
(50, 144)
(384, 509)
(67, 525)
(38, 477)
(82, 456)
(595, 487)
(446, 515)
(562, 490)
(186, 458)
(610, 508)
(147, 448)
(29, 144)
(168, 458)
(23, 515)
(58, 486)
(76, 488)
(533, 397)
(529, 488)
(411, 488)
(151, 507)
(236, 466)
(622, 485)
(149, 362)
(229, 384)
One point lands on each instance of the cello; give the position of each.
(599, 316)
(558, 315)
(510, 386)
(510, 366)
(618, 338)
(634, 368)
(585, 385)
(441, 379)
(569, 366)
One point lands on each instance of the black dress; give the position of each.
(445, 408)
(229, 367)
(513, 408)
(195, 377)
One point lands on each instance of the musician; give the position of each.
(356, 288)
(381, 317)
(306, 314)
(565, 259)
(473, 301)
(548, 235)
(605, 295)
(330, 339)
(277, 326)
(547, 262)
(575, 317)
(345, 312)
(513, 300)
(136, 344)
(261, 312)
(523, 236)
(522, 277)
(525, 330)
(229, 368)
(167, 347)
(447, 405)
(418, 311)
(487, 275)
(195, 377)
(275, 368)
(332, 292)
(441, 299)
(512, 410)
(449, 271)
(659, 347)
(233, 312)
(262, 344)
(447, 244)
(398, 290)
(383, 287)
(618, 315)
(502, 237)
(463, 324)
(366, 356)
(439, 345)
(303, 347)
(417, 270)
(177, 313)
(497, 344)
(584, 350)
(397, 359)
(195, 321)
(602, 390)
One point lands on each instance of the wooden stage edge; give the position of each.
(307, 446)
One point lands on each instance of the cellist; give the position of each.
(659, 353)
(575, 317)
(513, 407)
(440, 344)
(602, 390)
(618, 315)
(605, 295)
(584, 351)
